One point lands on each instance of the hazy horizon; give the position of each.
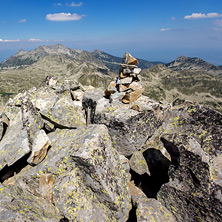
(152, 30)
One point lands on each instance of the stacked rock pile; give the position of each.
(128, 80)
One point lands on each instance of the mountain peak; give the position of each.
(181, 58)
(187, 63)
(21, 52)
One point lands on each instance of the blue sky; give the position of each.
(150, 29)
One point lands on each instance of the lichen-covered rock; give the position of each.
(149, 210)
(64, 114)
(14, 145)
(138, 163)
(89, 181)
(19, 205)
(192, 136)
(44, 98)
(129, 129)
(32, 120)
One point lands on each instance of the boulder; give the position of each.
(138, 163)
(90, 181)
(192, 136)
(128, 128)
(64, 113)
(14, 145)
(44, 98)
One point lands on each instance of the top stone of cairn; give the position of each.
(129, 59)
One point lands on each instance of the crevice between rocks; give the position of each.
(196, 181)
(64, 219)
(5, 127)
(9, 171)
(173, 151)
(132, 214)
(158, 166)
(59, 126)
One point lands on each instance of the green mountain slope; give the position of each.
(162, 83)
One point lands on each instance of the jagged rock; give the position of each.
(19, 205)
(152, 210)
(138, 163)
(64, 114)
(14, 145)
(82, 176)
(147, 209)
(31, 119)
(129, 59)
(44, 98)
(192, 136)
(128, 128)
(40, 147)
(90, 182)
(125, 164)
(77, 95)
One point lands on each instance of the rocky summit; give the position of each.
(69, 153)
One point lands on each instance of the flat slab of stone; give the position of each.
(14, 145)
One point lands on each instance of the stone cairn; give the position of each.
(128, 82)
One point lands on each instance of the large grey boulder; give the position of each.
(88, 180)
(64, 113)
(192, 136)
(129, 128)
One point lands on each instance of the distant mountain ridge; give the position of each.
(187, 63)
(23, 58)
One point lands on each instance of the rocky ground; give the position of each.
(67, 153)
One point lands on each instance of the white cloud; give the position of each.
(173, 18)
(34, 40)
(202, 15)
(164, 30)
(22, 21)
(58, 17)
(73, 4)
(18, 40)
(9, 40)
